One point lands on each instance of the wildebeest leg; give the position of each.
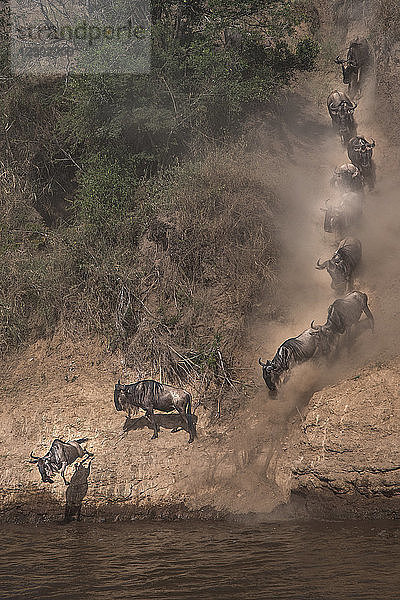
(371, 176)
(349, 338)
(89, 455)
(369, 316)
(63, 474)
(152, 419)
(356, 331)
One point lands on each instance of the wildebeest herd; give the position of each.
(343, 213)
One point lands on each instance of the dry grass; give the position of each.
(171, 284)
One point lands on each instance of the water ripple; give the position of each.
(201, 561)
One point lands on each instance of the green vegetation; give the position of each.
(107, 228)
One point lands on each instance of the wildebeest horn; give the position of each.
(320, 266)
(261, 363)
(312, 325)
(36, 458)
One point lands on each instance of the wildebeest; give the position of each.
(342, 265)
(345, 312)
(342, 213)
(359, 151)
(347, 178)
(341, 110)
(293, 351)
(60, 455)
(355, 65)
(150, 395)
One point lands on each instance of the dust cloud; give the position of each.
(304, 292)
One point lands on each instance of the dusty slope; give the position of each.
(66, 390)
(342, 453)
(54, 389)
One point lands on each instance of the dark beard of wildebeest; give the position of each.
(355, 66)
(60, 455)
(343, 264)
(345, 312)
(150, 395)
(359, 151)
(294, 351)
(341, 110)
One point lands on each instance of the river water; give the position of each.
(198, 560)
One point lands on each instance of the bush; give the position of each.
(183, 270)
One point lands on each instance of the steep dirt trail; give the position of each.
(306, 293)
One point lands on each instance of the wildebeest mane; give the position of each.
(291, 349)
(141, 390)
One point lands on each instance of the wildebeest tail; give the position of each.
(81, 440)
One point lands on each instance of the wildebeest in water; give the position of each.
(293, 351)
(60, 455)
(359, 151)
(342, 265)
(150, 395)
(341, 110)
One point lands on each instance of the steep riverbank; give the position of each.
(328, 446)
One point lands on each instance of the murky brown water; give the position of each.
(135, 561)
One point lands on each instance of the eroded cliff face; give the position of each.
(344, 455)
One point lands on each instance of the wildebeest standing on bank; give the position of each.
(355, 65)
(359, 151)
(341, 110)
(345, 312)
(293, 351)
(150, 395)
(342, 213)
(343, 264)
(60, 455)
